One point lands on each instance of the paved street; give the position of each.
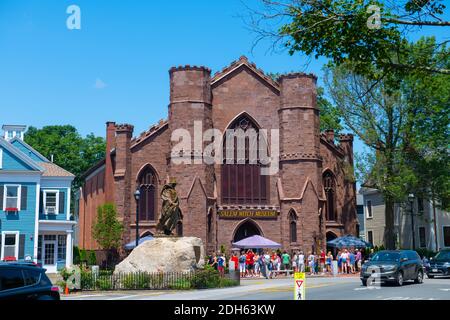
(282, 289)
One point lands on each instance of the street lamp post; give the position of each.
(411, 201)
(137, 196)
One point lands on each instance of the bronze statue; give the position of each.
(171, 213)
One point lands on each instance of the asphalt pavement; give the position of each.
(327, 288)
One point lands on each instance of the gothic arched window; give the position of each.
(292, 226)
(148, 184)
(242, 181)
(329, 185)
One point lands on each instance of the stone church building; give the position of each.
(310, 200)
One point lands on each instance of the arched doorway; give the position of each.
(330, 237)
(246, 230)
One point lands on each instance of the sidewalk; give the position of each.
(356, 275)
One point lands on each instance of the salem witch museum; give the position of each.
(309, 200)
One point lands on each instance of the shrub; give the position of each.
(76, 256)
(206, 279)
(92, 258)
(181, 284)
(104, 283)
(136, 281)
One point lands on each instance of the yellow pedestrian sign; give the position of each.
(300, 286)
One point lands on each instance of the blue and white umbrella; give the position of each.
(348, 241)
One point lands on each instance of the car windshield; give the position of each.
(443, 256)
(386, 256)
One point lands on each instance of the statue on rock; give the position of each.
(171, 213)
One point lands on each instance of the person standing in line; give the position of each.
(213, 263)
(358, 259)
(345, 261)
(256, 265)
(301, 262)
(242, 264)
(329, 262)
(286, 260)
(250, 263)
(311, 263)
(322, 261)
(235, 261)
(268, 264)
(352, 261)
(262, 265)
(221, 263)
(295, 262)
(339, 259)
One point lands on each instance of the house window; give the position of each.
(62, 245)
(51, 199)
(148, 201)
(241, 173)
(422, 238)
(1, 158)
(420, 206)
(10, 245)
(370, 237)
(369, 209)
(330, 194)
(446, 236)
(11, 197)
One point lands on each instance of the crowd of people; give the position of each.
(270, 264)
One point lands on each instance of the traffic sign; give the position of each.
(300, 286)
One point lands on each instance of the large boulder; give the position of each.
(165, 254)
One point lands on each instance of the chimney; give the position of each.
(109, 171)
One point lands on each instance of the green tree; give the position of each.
(69, 149)
(378, 120)
(352, 30)
(107, 230)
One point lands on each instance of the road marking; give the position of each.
(444, 289)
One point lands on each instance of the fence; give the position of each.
(107, 281)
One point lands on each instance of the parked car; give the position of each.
(25, 281)
(395, 266)
(439, 265)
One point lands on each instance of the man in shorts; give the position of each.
(242, 264)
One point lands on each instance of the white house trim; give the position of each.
(36, 223)
(16, 249)
(1, 158)
(44, 200)
(19, 194)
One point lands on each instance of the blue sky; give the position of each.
(116, 67)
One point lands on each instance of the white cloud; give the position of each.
(99, 84)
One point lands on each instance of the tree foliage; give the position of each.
(406, 126)
(107, 230)
(69, 149)
(343, 31)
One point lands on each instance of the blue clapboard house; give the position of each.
(35, 218)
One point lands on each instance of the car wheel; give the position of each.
(419, 278)
(364, 283)
(399, 281)
(430, 276)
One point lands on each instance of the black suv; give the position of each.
(393, 266)
(439, 265)
(25, 281)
